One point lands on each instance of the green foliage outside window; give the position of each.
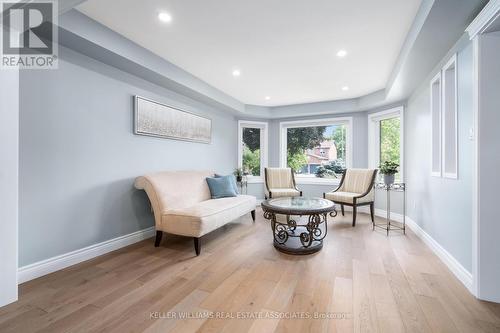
(389, 140)
(298, 141)
(296, 161)
(251, 150)
(251, 138)
(251, 161)
(339, 137)
(390, 145)
(302, 138)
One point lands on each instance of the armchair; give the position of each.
(355, 189)
(280, 182)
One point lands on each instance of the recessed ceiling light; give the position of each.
(341, 53)
(268, 98)
(236, 72)
(345, 88)
(165, 17)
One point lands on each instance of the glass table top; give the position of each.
(299, 203)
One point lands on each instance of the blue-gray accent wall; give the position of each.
(79, 156)
(440, 206)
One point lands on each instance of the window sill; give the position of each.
(316, 181)
(255, 180)
(301, 181)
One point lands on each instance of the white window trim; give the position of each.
(313, 123)
(264, 139)
(374, 138)
(436, 78)
(451, 63)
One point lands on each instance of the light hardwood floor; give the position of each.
(362, 279)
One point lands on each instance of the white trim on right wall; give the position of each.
(444, 120)
(449, 118)
(453, 264)
(460, 272)
(480, 25)
(436, 125)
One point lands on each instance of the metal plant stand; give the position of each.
(243, 185)
(388, 226)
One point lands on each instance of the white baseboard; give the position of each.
(453, 265)
(394, 216)
(462, 274)
(44, 267)
(32, 271)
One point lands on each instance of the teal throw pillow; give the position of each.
(221, 187)
(232, 179)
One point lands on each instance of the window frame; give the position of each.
(264, 139)
(284, 125)
(374, 120)
(436, 147)
(445, 112)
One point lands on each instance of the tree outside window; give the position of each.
(390, 141)
(251, 151)
(317, 151)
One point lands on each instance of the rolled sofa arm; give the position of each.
(142, 183)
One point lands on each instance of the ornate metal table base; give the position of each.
(295, 238)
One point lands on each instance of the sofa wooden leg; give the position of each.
(196, 245)
(342, 209)
(253, 215)
(372, 212)
(354, 213)
(159, 234)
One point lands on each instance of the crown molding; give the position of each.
(489, 14)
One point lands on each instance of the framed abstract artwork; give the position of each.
(164, 121)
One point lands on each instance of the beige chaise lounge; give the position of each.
(182, 204)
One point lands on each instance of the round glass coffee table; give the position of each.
(294, 237)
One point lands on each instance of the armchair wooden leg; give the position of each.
(354, 211)
(342, 209)
(372, 212)
(196, 245)
(159, 234)
(253, 215)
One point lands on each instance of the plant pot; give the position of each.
(239, 178)
(389, 179)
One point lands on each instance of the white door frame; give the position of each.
(480, 25)
(9, 180)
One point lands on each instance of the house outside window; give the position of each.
(316, 149)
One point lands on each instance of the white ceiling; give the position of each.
(285, 49)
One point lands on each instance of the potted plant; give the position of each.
(389, 169)
(238, 173)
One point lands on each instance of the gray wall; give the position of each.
(9, 164)
(442, 207)
(489, 164)
(79, 156)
